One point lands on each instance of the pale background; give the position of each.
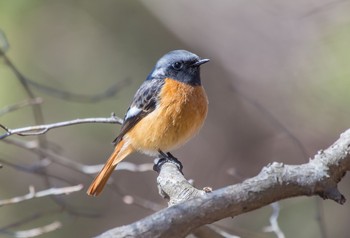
(276, 66)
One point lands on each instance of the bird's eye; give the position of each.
(177, 65)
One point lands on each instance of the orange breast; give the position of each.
(178, 116)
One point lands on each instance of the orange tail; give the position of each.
(101, 179)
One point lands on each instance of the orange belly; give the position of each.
(178, 117)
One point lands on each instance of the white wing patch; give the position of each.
(133, 111)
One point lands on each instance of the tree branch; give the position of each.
(274, 227)
(173, 186)
(19, 105)
(68, 162)
(38, 230)
(42, 129)
(48, 192)
(275, 182)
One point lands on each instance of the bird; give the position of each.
(167, 110)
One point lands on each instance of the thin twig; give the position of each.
(42, 129)
(274, 227)
(276, 122)
(36, 168)
(20, 105)
(48, 192)
(132, 167)
(32, 218)
(222, 232)
(111, 91)
(69, 163)
(54, 157)
(320, 218)
(4, 44)
(142, 203)
(38, 230)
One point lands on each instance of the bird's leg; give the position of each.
(166, 157)
(162, 154)
(175, 160)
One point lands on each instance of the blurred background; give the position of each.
(278, 86)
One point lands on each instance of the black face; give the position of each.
(180, 65)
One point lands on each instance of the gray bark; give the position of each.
(191, 208)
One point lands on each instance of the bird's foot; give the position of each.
(164, 158)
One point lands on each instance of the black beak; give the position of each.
(200, 62)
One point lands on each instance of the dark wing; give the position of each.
(144, 102)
